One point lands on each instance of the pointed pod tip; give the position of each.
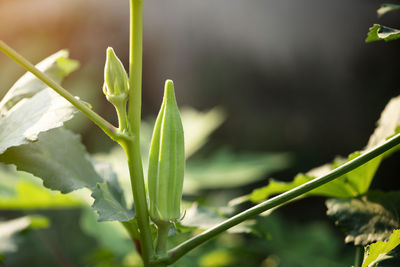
(169, 84)
(169, 89)
(110, 52)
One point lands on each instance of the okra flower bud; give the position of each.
(166, 161)
(115, 78)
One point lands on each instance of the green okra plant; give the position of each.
(157, 209)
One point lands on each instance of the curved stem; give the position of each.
(107, 127)
(185, 247)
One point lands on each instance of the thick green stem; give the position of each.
(185, 247)
(163, 230)
(135, 64)
(107, 127)
(134, 116)
(139, 198)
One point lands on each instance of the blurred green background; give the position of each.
(291, 76)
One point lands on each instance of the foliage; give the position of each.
(382, 253)
(379, 32)
(368, 218)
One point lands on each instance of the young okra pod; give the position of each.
(166, 161)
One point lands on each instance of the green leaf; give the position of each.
(385, 8)
(200, 217)
(31, 196)
(388, 124)
(58, 158)
(22, 124)
(217, 258)
(117, 159)
(224, 169)
(380, 32)
(375, 253)
(11, 227)
(351, 184)
(110, 235)
(367, 218)
(198, 126)
(20, 190)
(109, 198)
(57, 66)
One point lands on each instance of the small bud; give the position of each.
(115, 77)
(166, 161)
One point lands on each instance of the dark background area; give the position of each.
(293, 76)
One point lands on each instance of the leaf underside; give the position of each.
(109, 198)
(22, 124)
(58, 158)
(56, 66)
(368, 218)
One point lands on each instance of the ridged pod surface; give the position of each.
(166, 161)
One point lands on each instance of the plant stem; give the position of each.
(139, 197)
(177, 252)
(135, 64)
(163, 230)
(358, 261)
(122, 118)
(107, 127)
(132, 148)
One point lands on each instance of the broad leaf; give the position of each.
(11, 227)
(202, 218)
(385, 8)
(58, 158)
(57, 66)
(388, 123)
(224, 169)
(110, 235)
(22, 124)
(32, 196)
(351, 184)
(21, 190)
(109, 198)
(368, 218)
(198, 126)
(376, 254)
(380, 32)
